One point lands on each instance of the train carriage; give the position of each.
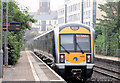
(70, 47)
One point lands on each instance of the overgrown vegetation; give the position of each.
(108, 29)
(15, 38)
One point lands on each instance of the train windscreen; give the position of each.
(75, 43)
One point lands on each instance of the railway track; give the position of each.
(107, 72)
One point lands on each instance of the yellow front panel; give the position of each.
(75, 57)
(69, 30)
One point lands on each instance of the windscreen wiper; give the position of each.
(80, 48)
(64, 49)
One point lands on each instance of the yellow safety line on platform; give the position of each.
(32, 67)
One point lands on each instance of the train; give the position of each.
(69, 49)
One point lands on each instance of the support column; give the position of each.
(1, 51)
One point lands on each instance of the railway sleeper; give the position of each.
(42, 57)
(36, 53)
(45, 59)
(39, 55)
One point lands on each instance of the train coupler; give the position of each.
(76, 73)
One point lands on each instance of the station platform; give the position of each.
(108, 57)
(30, 68)
(0, 80)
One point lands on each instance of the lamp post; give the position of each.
(106, 42)
(6, 33)
(1, 51)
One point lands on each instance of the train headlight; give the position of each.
(62, 58)
(88, 58)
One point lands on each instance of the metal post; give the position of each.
(1, 51)
(106, 41)
(65, 13)
(6, 33)
(82, 11)
(119, 38)
(118, 24)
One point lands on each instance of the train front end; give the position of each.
(75, 50)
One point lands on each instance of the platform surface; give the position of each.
(108, 57)
(0, 80)
(30, 68)
(21, 71)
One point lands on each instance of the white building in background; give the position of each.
(45, 22)
(74, 11)
(46, 19)
(61, 14)
(89, 12)
(77, 11)
(44, 6)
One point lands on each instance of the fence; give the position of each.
(118, 52)
(115, 53)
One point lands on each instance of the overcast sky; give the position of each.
(33, 5)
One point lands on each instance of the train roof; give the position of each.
(62, 26)
(44, 33)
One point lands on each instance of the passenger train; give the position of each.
(69, 48)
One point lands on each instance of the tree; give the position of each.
(15, 38)
(110, 26)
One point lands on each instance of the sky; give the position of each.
(33, 5)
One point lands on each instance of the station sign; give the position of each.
(12, 26)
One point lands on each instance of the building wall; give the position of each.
(78, 11)
(44, 6)
(74, 11)
(70, 12)
(50, 24)
(45, 25)
(88, 12)
(46, 19)
(61, 14)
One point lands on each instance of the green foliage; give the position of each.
(15, 38)
(108, 29)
